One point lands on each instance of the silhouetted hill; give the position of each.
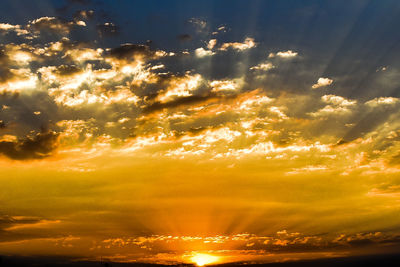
(365, 261)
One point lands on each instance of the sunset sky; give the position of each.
(199, 131)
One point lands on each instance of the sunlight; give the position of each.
(201, 259)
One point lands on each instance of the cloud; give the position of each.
(184, 37)
(107, 29)
(82, 2)
(178, 102)
(337, 100)
(6, 220)
(38, 146)
(66, 70)
(54, 25)
(129, 51)
(211, 44)
(391, 191)
(363, 239)
(247, 44)
(278, 242)
(337, 105)
(263, 67)
(308, 169)
(322, 82)
(83, 14)
(284, 54)
(201, 52)
(180, 87)
(220, 29)
(87, 97)
(199, 24)
(7, 28)
(5, 72)
(227, 85)
(382, 101)
(39, 224)
(26, 228)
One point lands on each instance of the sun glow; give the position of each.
(201, 259)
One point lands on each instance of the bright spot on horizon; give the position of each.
(201, 259)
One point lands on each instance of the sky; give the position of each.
(199, 131)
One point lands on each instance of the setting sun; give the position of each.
(201, 259)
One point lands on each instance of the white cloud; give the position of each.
(284, 54)
(201, 52)
(337, 100)
(382, 101)
(6, 27)
(212, 43)
(322, 82)
(337, 105)
(247, 44)
(263, 66)
(200, 24)
(226, 85)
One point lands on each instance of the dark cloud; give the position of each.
(366, 123)
(39, 146)
(154, 107)
(184, 37)
(5, 73)
(342, 142)
(199, 24)
(7, 221)
(107, 29)
(367, 239)
(129, 51)
(66, 70)
(83, 14)
(82, 2)
(395, 160)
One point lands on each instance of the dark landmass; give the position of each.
(367, 261)
(373, 260)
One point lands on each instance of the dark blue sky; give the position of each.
(347, 39)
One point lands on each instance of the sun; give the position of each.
(201, 259)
